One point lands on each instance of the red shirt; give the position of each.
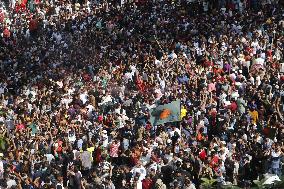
(24, 2)
(98, 155)
(219, 78)
(17, 7)
(233, 106)
(86, 77)
(249, 50)
(20, 127)
(113, 152)
(269, 53)
(148, 127)
(33, 25)
(208, 63)
(203, 155)
(2, 16)
(214, 161)
(147, 183)
(6, 33)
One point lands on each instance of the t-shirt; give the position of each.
(86, 160)
(234, 106)
(211, 87)
(183, 112)
(114, 149)
(20, 126)
(49, 157)
(34, 128)
(254, 116)
(259, 61)
(91, 150)
(11, 183)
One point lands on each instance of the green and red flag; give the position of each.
(165, 113)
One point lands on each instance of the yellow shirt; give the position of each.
(183, 112)
(254, 116)
(91, 149)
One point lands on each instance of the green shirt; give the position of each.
(34, 128)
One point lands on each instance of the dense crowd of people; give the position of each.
(79, 78)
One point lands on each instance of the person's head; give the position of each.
(165, 161)
(76, 169)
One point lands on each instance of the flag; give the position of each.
(165, 113)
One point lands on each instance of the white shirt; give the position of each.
(80, 143)
(11, 183)
(106, 99)
(1, 167)
(235, 94)
(71, 91)
(128, 75)
(233, 76)
(49, 157)
(173, 55)
(139, 185)
(105, 140)
(223, 97)
(162, 84)
(257, 80)
(259, 61)
(252, 80)
(175, 130)
(141, 170)
(1, 90)
(90, 107)
(66, 101)
(122, 120)
(158, 62)
(84, 97)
